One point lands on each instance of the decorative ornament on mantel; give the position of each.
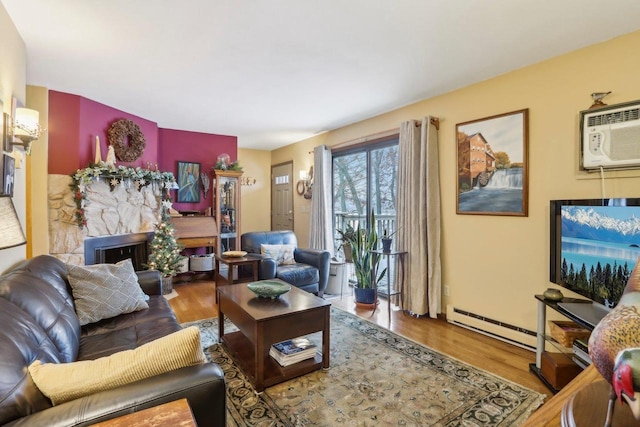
(111, 157)
(126, 130)
(98, 158)
(114, 176)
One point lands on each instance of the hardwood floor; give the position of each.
(196, 300)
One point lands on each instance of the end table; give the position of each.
(398, 290)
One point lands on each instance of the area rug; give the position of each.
(376, 378)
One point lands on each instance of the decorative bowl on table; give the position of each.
(234, 254)
(269, 288)
(553, 294)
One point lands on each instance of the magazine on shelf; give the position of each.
(293, 351)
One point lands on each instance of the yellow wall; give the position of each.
(255, 199)
(38, 223)
(302, 157)
(493, 265)
(13, 73)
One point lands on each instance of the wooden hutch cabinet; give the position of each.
(226, 209)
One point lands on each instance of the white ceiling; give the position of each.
(274, 72)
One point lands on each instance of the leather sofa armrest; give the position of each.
(150, 281)
(320, 259)
(202, 385)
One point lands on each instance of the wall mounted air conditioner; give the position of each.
(611, 136)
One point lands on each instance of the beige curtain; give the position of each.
(321, 225)
(419, 217)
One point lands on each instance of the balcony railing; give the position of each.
(383, 222)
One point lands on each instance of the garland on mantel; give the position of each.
(114, 177)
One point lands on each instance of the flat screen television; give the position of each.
(595, 244)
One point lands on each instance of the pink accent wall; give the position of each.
(197, 147)
(96, 119)
(63, 128)
(75, 121)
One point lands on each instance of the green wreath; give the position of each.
(119, 133)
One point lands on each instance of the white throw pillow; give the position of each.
(283, 254)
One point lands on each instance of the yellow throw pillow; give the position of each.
(62, 382)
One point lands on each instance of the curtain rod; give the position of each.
(368, 138)
(434, 121)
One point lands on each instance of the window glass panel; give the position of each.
(350, 189)
(365, 179)
(384, 178)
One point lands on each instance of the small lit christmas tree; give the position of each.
(165, 251)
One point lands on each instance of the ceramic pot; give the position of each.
(386, 244)
(552, 294)
(167, 285)
(348, 255)
(366, 296)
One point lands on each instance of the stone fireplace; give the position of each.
(120, 221)
(112, 249)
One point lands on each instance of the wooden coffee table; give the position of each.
(263, 322)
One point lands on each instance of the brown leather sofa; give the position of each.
(38, 321)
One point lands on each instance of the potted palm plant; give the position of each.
(365, 263)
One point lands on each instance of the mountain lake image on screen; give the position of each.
(600, 246)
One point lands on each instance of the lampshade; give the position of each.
(10, 229)
(26, 124)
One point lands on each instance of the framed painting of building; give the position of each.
(492, 156)
(188, 182)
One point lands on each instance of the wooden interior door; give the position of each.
(282, 196)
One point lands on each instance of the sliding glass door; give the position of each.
(365, 178)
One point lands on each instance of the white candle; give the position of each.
(98, 154)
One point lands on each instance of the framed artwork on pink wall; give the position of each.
(188, 181)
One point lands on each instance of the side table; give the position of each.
(171, 414)
(232, 263)
(398, 290)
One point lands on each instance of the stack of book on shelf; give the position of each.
(293, 351)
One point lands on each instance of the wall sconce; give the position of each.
(305, 184)
(247, 180)
(10, 229)
(26, 128)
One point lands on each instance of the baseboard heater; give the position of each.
(491, 324)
